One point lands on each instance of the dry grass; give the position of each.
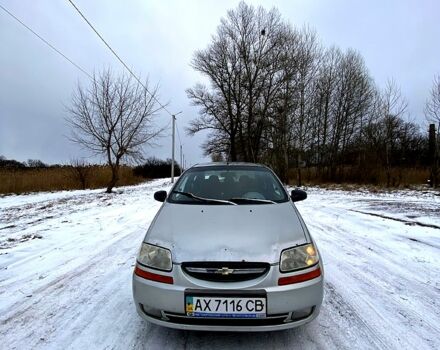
(399, 177)
(55, 179)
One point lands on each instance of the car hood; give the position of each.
(226, 232)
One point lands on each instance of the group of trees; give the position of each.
(277, 96)
(12, 163)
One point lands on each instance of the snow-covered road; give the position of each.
(66, 260)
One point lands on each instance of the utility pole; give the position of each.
(173, 145)
(172, 151)
(181, 159)
(433, 156)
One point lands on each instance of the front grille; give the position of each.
(225, 271)
(267, 321)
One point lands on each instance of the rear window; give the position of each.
(228, 182)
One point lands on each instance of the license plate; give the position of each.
(227, 307)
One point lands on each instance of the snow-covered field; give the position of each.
(66, 260)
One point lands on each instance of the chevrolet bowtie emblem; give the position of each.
(225, 271)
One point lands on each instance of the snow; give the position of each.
(66, 260)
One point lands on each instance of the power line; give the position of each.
(173, 116)
(83, 70)
(119, 58)
(45, 41)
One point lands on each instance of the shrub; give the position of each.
(10, 163)
(155, 168)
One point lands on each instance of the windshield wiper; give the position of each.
(252, 200)
(202, 199)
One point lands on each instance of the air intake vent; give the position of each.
(225, 271)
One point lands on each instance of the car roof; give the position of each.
(210, 164)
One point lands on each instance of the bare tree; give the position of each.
(308, 54)
(394, 106)
(276, 95)
(432, 107)
(432, 113)
(393, 101)
(113, 117)
(242, 66)
(80, 172)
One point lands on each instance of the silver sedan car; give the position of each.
(228, 251)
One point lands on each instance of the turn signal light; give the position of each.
(153, 276)
(299, 278)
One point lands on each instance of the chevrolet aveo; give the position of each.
(228, 251)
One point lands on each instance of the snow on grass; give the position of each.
(412, 207)
(66, 260)
(386, 271)
(50, 235)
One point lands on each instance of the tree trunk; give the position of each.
(388, 167)
(286, 164)
(114, 179)
(433, 156)
(232, 151)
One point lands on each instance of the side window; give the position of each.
(183, 185)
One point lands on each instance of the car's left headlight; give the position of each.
(298, 258)
(155, 257)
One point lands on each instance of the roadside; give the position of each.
(71, 288)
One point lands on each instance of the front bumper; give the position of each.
(287, 306)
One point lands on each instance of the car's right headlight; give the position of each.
(298, 258)
(155, 257)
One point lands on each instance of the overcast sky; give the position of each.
(398, 39)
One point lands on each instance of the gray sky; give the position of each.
(399, 39)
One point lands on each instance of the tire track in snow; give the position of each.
(63, 300)
(90, 305)
(368, 281)
(408, 222)
(348, 312)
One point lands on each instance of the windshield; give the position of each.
(229, 184)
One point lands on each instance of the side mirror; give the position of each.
(298, 195)
(160, 196)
